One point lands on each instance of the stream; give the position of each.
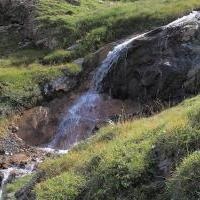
(86, 112)
(81, 118)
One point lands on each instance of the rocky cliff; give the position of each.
(18, 16)
(163, 63)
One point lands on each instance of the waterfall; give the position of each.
(111, 59)
(82, 117)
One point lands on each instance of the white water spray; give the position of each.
(84, 114)
(81, 118)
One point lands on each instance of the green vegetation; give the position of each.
(22, 77)
(185, 184)
(95, 22)
(134, 159)
(57, 57)
(141, 159)
(91, 24)
(65, 185)
(18, 184)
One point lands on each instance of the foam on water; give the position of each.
(111, 59)
(184, 19)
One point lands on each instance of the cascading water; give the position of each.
(89, 109)
(6, 174)
(111, 59)
(18, 171)
(82, 116)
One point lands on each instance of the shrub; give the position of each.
(60, 188)
(185, 184)
(57, 57)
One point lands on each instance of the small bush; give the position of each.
(60, 188)
(135, 162)
(185, 184)
(18, 184)
(57, 57)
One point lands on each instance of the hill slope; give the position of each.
(139, 159)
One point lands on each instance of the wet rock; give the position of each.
(27, 193)
(2, 152)
(11, 177)
(1, 178)
(62, 84)
(162, 64)
(79, 61)
(95, 59)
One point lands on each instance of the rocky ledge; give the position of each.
(161, 64)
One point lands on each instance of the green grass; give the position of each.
(57, 57)
(65, 185)
(18, 184)
(91, 24)
(122, 161)
(94, 23)
(22, 77)
(185, 183)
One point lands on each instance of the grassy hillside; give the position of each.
(95, 22)
(141, 159)
(92, 24)
(22, 76)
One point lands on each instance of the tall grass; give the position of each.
(97, 22)
(122, 161)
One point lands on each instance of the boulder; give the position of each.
(62, 84)
(161, 64)
(20, 15)
(4, 163)
(19, 159)
(27, 192)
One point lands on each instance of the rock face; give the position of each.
(1, 178)
(163, 63)
(62, 84)
(20, 15)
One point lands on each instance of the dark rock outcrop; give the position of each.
(1, 178)
(20, 17)
(19, 14)
(163, 63)
(27, 193)
(62, 84)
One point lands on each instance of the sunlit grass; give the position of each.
(22, 77)
(121, 158)
(97, 22)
